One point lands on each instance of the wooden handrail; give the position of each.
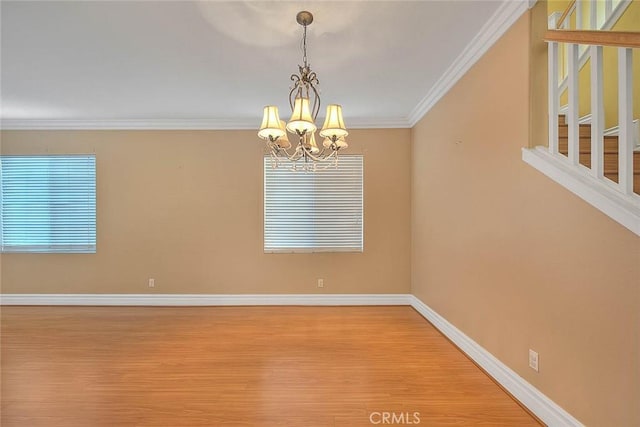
(566, 13)
(599, 38)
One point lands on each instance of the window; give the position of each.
(313, 211)
(48, 203)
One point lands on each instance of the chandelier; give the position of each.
(304, 101)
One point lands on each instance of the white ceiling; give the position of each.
(185, 60)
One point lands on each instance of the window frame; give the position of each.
(54, 187)
(314, 249)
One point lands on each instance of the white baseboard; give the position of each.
(204, 299)
(543, 407)
(538, 403)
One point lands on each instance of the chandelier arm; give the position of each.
(299, 152)
(275, 162)
(285, 151)
(316, 102)
(312, 78)
(281, 153)
(329, 162)
(296, 87)
(270, 146)
(295, 157)
(320, 158)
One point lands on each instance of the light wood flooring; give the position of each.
(239, 366)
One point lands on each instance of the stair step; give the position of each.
(562, 121)
(610, 143)
(610, 161)
(584, 130)
(610, 151)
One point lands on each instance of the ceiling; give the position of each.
(184, 60)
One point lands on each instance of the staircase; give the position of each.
(610, 151)
(602, 166)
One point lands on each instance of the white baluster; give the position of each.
(608, 7)
(554, 100)
(578, 15)
(597, 112)
(625, 120)
(593, 14)
(552, 21)
(572, 114)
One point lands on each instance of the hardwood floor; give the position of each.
(240, 366)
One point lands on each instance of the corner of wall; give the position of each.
(538, 109)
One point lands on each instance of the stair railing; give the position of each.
(625, 41)
(597, 14)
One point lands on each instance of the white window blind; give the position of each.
(48, 203)
(314, 211)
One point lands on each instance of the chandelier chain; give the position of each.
(304, 46)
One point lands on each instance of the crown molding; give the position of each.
(378, 123)
(125, 124)
(506, 15)
(171, 124)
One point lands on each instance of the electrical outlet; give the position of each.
(152, 283)
(321, 283)
(533, 360)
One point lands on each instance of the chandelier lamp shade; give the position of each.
(271, 127)
(304, 101)
(301, 121)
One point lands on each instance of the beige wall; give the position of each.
(1, 288)
(515, 260)
(185, 207)
(538, 79)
